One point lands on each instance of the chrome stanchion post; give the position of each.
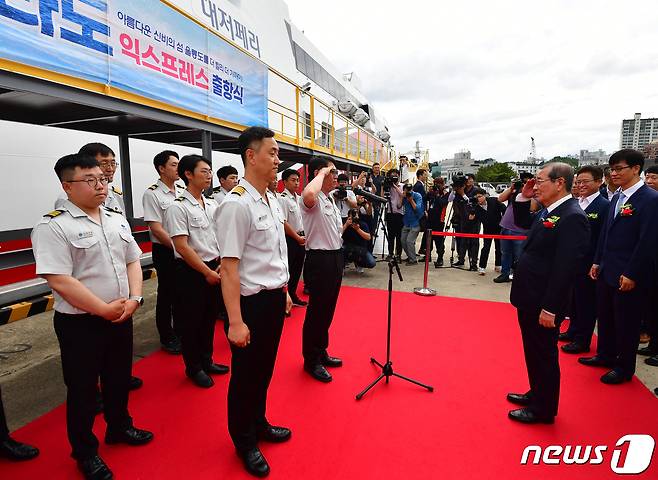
(424, 291)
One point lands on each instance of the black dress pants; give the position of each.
(486, 248)
(394, 228)
(324, 274)
(296, 254)
(165, 264)
(197, 306)
(4, 429)
(541, 359)
(583, 320)
(620, 315)
(252, 366)
(92, 347)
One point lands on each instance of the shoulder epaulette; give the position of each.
(284, 194)
(54, 213)
(209, 197)
(116, 190)
(239, 190)
(153, 187)
(217, 189)
(111, 210)
(178, 185)
(178, 199)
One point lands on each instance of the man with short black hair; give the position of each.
(157, 198)
(394, 213)
(624, 267)
(295, 237)
(323, 270)
(254, 277)
(470, 188)
(228, 179)
(583, 318)
(191, 224)
(90, 260)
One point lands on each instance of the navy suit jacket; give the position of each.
(551, 258)
(596, 212)
(627, 243)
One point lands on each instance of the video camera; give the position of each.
(406, 189)
(340, 193)
(388, 182)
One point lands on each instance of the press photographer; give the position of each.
(490, 210)
(393, 191)
(511, 249)
(464, 220)
(345, 199)
(437, 198)
(356, 240)
(414, 210)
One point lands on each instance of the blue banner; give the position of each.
(139, 46)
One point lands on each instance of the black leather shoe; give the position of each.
(615, 377)
(502, 279)
(595, 361)
(653, 361)
(318, 372)
(522, 399)
(130, 436)
(201, 379)
(525, 415)
(173, 346)
(274, 434)
(328, 361)
(135, 383)
(574, 347)
(460, 263)
(564, 337)
(255, 463)
(216, 369)
(94, 468)
(645, 351)
(14, 450)
(438, 264)
(655, 390)
(298, 302)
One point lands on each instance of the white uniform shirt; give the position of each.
(156, 200)
(219, 194)
(113, 201)
(322, 224)
(256, 237)
(69, 242)
(291, 210)
(342, 205)
(186, 216)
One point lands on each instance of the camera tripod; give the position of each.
(387, 368)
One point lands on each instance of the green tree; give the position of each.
(571, 161)
(498, 172)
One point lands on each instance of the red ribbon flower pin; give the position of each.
(626, 210)
(551, 221)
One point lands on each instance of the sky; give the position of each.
(486, 76)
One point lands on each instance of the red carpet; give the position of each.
(470, 351)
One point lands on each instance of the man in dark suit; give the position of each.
(624, 266)
(490, 211)
(583, 319)
(543, 284)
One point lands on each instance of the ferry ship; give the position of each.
(62, 86)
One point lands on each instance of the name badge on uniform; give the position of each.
(260, 219)
(85, 234)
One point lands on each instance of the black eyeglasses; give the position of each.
(619, 169)
(92, 182)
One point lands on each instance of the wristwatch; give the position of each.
(138, 299)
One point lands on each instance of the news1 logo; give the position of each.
(631, 456)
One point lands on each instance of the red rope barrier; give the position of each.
(477, 235)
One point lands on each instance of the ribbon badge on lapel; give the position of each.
(626, 210)
(592, 216)
(550, 221)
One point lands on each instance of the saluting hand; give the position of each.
(239, 335)
(114, 309)
(626, 284)
(528, 188)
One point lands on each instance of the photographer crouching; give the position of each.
(356, 238)
(412, 203)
